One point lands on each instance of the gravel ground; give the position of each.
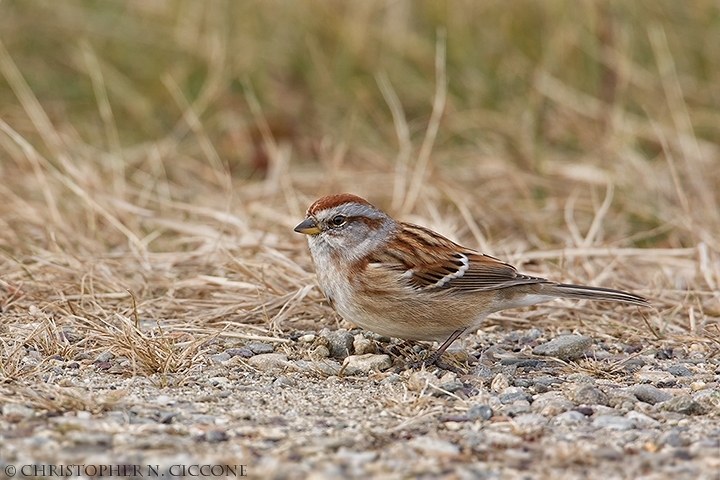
(532, 407)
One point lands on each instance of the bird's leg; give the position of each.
(434, 359)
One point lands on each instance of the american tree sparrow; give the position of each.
(406, 281)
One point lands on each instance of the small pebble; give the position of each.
(684, 404)
(220, 357)
(680, 371)
(613, 422)
(366, 363)
(480, 411)
(340, 342)
(218, 381)
(283, 382)
(104, 357)
(551, 404)
(511, 397)
(307, 338)
(588, 395)
(321, 351)
(531, 335)
(566, 347)
(708, 399)
(585, 410)
(259, 348)
(243, 352)
(649, 394)
(380, 338)
(483, 371)
(451, 387)
(697, 386)
(641, 420)
(269, 361)
(672, 438)
(570, 418)
(646, 375)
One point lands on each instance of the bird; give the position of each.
(406, 281)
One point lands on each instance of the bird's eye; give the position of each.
(338, 220)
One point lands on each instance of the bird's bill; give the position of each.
(308, 227)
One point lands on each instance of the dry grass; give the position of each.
(147, 202)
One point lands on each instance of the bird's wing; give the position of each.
(430, 262)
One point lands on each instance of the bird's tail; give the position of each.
(581, 292)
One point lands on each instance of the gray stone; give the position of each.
(621, 399)
(340, 342)
(680, 371)
(451, 387)
(328, 366)
(242, 352)
(220, 357)
(649, 394)
(646, 375)
(566, 347)
(380, 338)
(283, 382)
(512, 397)
(570, 418)
(672, 438)
(708, 399)
(480, 411)
(366, 363)
(684, 404)
(483, 371)
(613, 422)
(530, 336)
(105, 357)
(269, 361)
(641, 420)
(588, 395)
(259, 348)
(321, 351)
(551, 404)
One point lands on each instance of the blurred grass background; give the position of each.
(129, 126)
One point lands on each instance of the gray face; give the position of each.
(350, 230)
